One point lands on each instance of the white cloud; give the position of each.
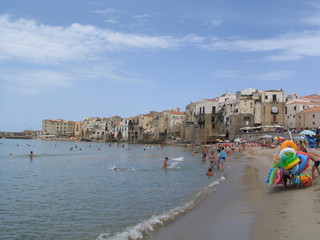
(216, 22)
(29, 41)
(105, 11)
(290, 46)
(265, 76)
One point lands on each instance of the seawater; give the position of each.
(76, 194)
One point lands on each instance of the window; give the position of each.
(274, 97)
(274, 109)
(266, 97)
(295, 108)
(313, 123)
(314, 116)
(247, 120)
(274, 118)
(213, 109)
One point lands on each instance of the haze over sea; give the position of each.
(64, 194)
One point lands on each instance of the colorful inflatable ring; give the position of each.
(286, 150)
(273, 176)
(288, 143)
(292, 164)
(303, 153)
(304, 160)
(279, 179)
(267, 181)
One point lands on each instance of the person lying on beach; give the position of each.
(210, 172)
(165, 163)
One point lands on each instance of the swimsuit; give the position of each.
(316, 163)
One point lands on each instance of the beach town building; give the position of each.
(273, 103)
(122, 130)
(58, 127)
(159, 127)
(308, 118)
(206, 117)
(295, 106)
(77, 129)
(188, 131)
(175, 122)
(242, 112)
(135, 130)
(96, 128)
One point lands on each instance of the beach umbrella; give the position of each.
(299, 137)
(276, 138)
(267, 136)
(237, 140)
(308, 132)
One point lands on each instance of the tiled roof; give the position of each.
(273, 90)
(314, 109)
(177, 113)
(304, 103)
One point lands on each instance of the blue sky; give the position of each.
(73, 59)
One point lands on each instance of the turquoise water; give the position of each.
(76, 194)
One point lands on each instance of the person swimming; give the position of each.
(165, 163)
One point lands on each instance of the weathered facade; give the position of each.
(309, 118)
(58, 127)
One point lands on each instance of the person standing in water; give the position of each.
(31, 155)
(165, 163)
(212, 158)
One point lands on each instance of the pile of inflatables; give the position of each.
(289, 164)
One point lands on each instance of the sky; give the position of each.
(71, 59)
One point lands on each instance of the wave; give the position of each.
(174, 166)
(179, 159)
(147, 226)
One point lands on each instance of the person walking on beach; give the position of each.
(165, 163)
(223, 156)
(315, 158)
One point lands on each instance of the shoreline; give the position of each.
(245, 207)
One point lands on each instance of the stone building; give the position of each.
(309, 118)
(58, 127)
(273, 103)
(135, 130)
(296, 106)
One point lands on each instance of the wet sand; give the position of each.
(226, 214)
(245, 207)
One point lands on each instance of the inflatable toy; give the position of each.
(304, 161)
(288, 143)
(292, 164)
(267, 181)
(273, 176)
(279, 179)
(286, 150)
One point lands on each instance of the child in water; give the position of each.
(165, 163)
(210, 172)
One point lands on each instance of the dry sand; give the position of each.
(292, 213)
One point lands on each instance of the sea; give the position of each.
(97, 191)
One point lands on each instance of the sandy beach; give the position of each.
(292, 213)
(245, 207)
